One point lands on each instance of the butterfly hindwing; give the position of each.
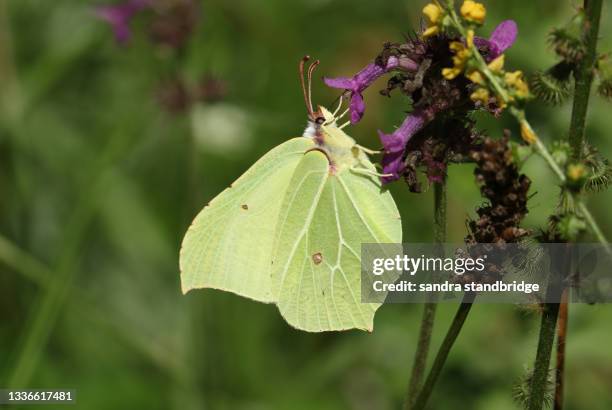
(324, 220)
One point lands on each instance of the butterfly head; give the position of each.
(322, 126)
(322, 117)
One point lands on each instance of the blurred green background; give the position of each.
(104, 162)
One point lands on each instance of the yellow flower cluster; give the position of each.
(517, 84)
(462, 53)
(481, 94)
(473, 12)
(434, 14)
(527, 133)
(514, 83)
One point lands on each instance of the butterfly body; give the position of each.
(341, 150)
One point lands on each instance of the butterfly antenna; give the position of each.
(311, 69)
(305, 92)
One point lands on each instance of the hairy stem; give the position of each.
(584, 76)
(561, 336)
(429, 309)
(559, 268)
(442, 355)
(542, 362)
(584, 80)
(440, 204)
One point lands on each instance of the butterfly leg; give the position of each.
(367, 150)
(369, 172)
(335, 113)
(339, 117)
(345, 124)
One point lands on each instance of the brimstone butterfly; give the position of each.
(289, 230)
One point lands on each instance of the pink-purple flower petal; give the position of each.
(356, 107)
(503, 38)
(340, 82)
(363, 79)
(504, 35)
(119, 17)
(393, 164)
(395, 144)
(356, 85)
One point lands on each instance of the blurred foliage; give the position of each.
(98, 184)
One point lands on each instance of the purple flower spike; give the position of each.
(364, 79)
(119, 17)
(502, 39)
(356, 85)
(395, 144)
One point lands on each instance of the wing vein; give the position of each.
(339, 262)
(304, 229)
(348, 193)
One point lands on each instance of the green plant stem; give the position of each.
(539, 146)
(559, 268)
(584, 80)
(584, 77)
(440, 205)
(561, 337)
(542, 362)
(593, 224)
(442, 355)
(429, 308)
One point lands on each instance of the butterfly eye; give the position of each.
(320, 120)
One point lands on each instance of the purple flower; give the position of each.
(395, 144)
(502, 38)
(120, 15)
(363, 79)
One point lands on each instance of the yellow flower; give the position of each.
(431, 31)
(462, 53)
(473, 12)
(518, 84)
(527, 133)
(434, 14)
(498, 64)
(450, 73)
(476, 77)
(469, 41)
(481, 95)
(514, 77)
(576, 172)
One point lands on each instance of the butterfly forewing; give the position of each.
(229, 245)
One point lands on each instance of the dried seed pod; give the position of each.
(506, 192)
